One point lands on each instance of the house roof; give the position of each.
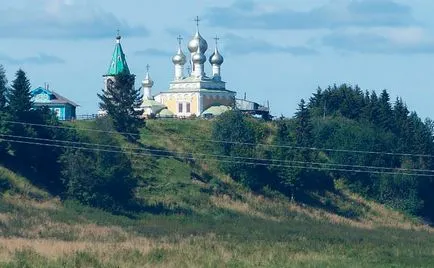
(55, 98)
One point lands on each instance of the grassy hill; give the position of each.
(199, 217)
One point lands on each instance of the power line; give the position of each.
(230, 142)
(153, 151)
(221, 161)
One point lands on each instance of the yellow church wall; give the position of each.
(172, 101)
(194, 105)
(171, 105)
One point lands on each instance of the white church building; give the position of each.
(191, 93)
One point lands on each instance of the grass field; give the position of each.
(206, 222)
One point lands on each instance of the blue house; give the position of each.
(61, 106)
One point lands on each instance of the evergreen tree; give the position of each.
(20, 97)
(385, 115)
(122, 102)
(3, 88)
(304, 127)
(4, 116)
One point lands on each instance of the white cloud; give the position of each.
(60, 19)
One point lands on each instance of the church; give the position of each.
(191, 93)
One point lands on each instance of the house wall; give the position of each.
(217, 99)
(63, 112)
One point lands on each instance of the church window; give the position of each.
(188, 107)
(179, 107)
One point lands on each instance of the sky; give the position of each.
(276, 50)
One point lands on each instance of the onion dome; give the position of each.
(197, 42)
(199, 57)
(216, 58)
(147, 82)
(179, 58)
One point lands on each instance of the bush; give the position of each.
(102, 178)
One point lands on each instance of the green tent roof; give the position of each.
(118, 63)
(165, 113)
(216, 110)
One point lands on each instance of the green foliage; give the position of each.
(3, 88)
(233, 126)
(30, 156)
(99, 178)
(122, 102)
(19, 96)
(377, 126)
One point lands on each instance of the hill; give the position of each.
(195, 215)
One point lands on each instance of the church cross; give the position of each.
(216, 38)
(197, 20)
(179, 39)
(147, 68)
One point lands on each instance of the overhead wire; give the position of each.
(349, 151)
(155, 151)
(220, 160)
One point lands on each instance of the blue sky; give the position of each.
(275, 50)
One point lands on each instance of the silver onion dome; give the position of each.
(147, 82)
(216, 58)
(199, 57)
(197, 41)
(179, 58)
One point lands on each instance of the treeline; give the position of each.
(379, 148)
(66, 162)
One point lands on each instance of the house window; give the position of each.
(188, 107)
(179, 107)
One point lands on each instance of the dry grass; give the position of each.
(376, 215)
(241, 207)
(55, 248)
(26, 202)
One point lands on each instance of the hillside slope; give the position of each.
(199, 217)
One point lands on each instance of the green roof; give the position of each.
(216, 110)
(118, 63)
(165, 113)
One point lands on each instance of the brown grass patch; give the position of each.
(226, 202)
(55, 248)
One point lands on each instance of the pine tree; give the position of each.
(3, 88)
(385, 116)
(20, 97)
(304, 127)
(122, 102)
(4, 116)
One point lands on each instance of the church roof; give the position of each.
(118, 63)
(216, 110)
(165, 113)
(152, 103)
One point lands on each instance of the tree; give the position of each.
(4, 116)
(304, 127)
(234, 127)
(98, 178)
(385, 116)
(19, 96)
(3, 88)
(122, 103)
